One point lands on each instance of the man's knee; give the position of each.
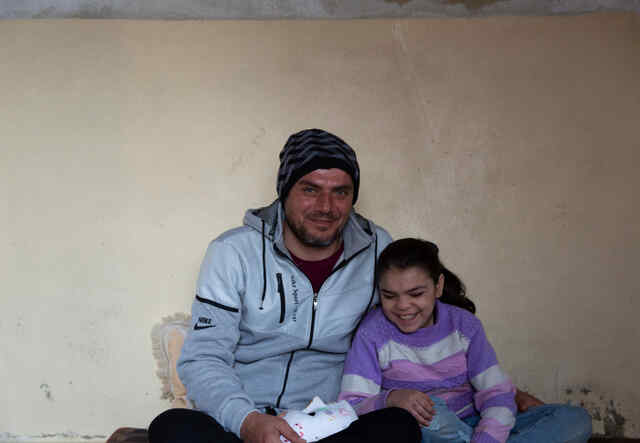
(402, 425)
(187, 425)
(387, 424)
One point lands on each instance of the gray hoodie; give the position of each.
(261, 338)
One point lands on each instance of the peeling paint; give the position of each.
(607, 414)
(613, 422)
(69, 435)
(66, 437)
(47, 391)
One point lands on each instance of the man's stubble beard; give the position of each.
(310, 240)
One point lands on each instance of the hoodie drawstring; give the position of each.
(373, 289)
(264, 270)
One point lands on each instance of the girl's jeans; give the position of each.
(546, 423)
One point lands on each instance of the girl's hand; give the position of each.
(417, 403)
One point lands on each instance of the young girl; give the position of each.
(425, 351)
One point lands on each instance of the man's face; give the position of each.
(317, 208)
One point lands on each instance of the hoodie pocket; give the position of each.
(282, 298)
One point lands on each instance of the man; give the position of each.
(277, 302)
(276, 305)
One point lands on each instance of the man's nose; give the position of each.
(324, 202)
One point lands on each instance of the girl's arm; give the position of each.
(362, 376)
(494, 393)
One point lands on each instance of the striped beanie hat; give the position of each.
(312, 149)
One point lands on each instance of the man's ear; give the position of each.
(440, 286)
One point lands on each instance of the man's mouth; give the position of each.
(322, 221)
(408, 316)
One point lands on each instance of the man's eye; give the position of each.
(308, 190)
(416, 294)
(388, 296)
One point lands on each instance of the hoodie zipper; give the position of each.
(286, 378)
(314, 308)
(316, 295)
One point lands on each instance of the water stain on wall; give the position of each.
(607, 415)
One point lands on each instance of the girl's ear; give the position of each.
(440, 286)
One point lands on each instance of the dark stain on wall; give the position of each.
(398, 2)
(331, 6)
(47, 391)
(473, 4)
(47, 12)
(95, 12)
(602, 410)
(613, 422)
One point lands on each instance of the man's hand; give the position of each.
(524, 401)
(417, 403)
(263, 428)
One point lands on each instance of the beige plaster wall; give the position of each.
(126, 146)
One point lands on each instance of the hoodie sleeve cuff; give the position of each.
(234, 415)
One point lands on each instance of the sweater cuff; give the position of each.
(381, 401)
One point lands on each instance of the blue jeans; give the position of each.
(445, 425)
(547, 423)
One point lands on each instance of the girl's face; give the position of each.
(408, 297)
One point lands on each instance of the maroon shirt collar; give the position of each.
(318, 271)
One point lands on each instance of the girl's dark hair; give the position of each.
(412, 252)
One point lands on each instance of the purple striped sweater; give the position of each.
(451, 359)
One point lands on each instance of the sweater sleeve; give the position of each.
(206, 364)
(362, 377)
(494, 395)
